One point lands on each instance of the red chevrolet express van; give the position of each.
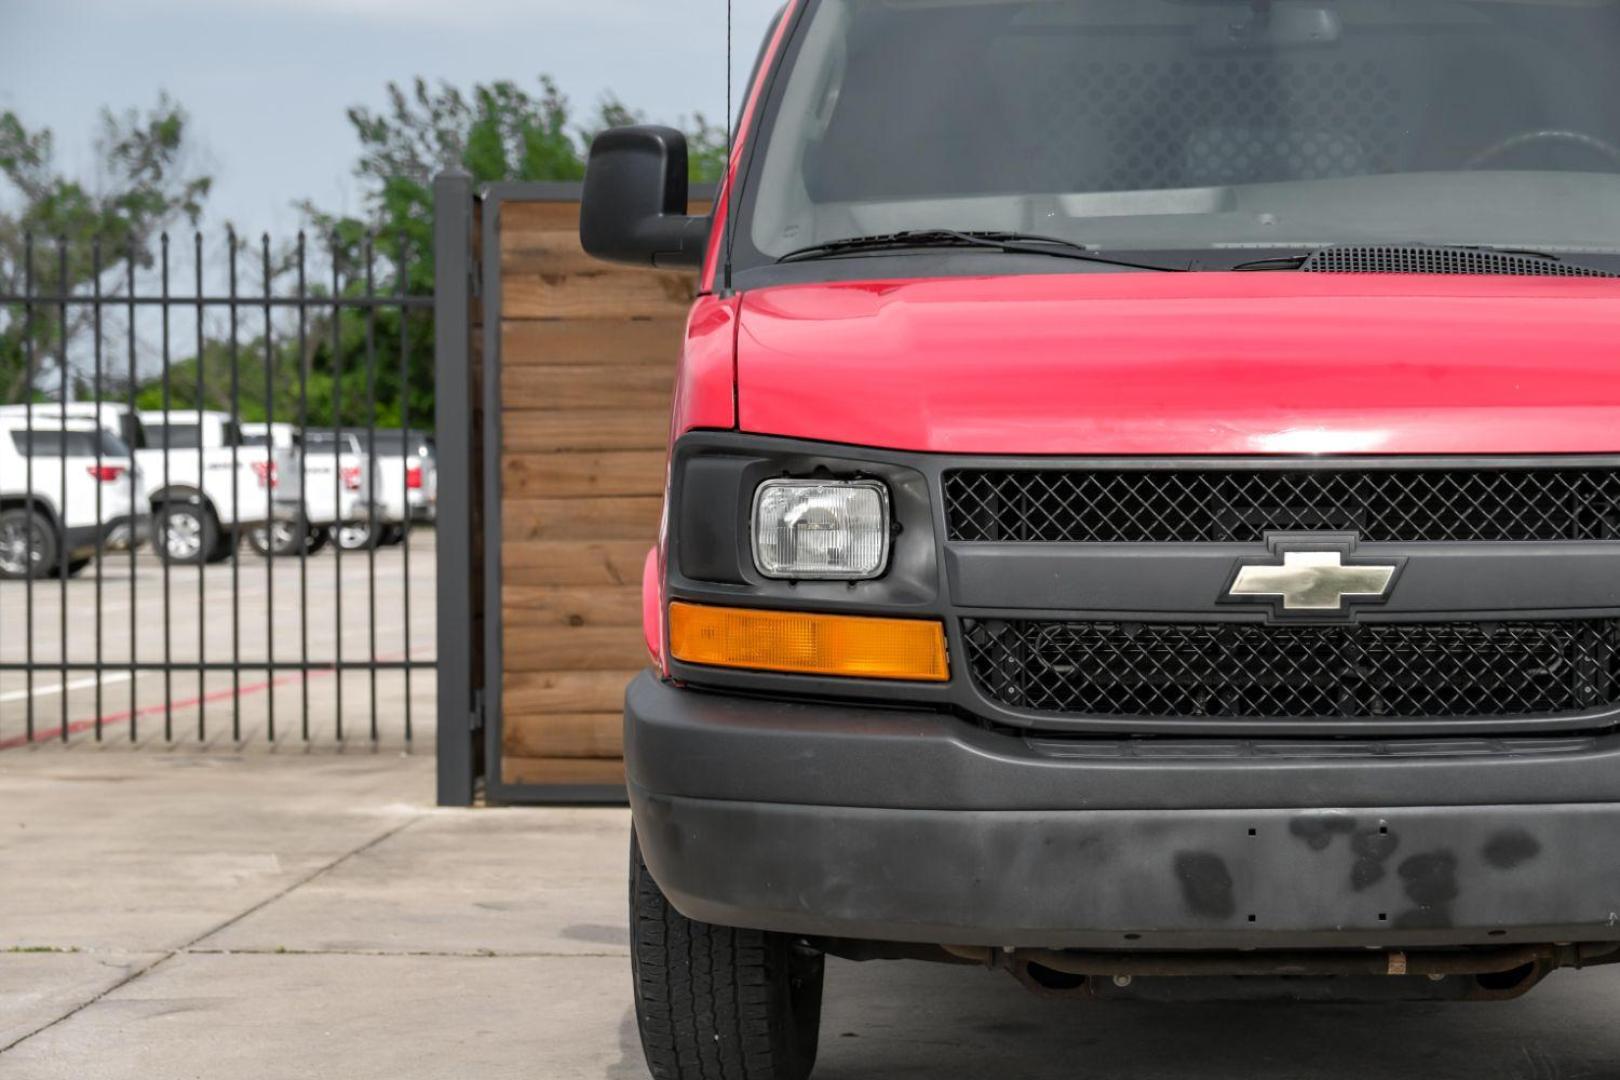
(1143, 509)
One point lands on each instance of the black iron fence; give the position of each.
(218, 484)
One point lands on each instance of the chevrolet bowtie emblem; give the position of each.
(1314, 577)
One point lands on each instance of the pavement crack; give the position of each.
(293, 887)
(187, 947)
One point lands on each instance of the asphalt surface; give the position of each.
(209, 914)
(257, 610)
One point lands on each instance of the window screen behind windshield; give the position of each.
(1176, 124)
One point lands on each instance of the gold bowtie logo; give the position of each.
(1313, 581)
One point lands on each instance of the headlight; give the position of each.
(821, 529)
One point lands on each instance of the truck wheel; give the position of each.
(393, 535)
(315, 539)
(356, 535)
(717, 1003)
(185, 534)
(277, 538)
(27, 545)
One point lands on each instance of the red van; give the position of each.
(1143, 509)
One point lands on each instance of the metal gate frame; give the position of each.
(471, 665)
(152, 287)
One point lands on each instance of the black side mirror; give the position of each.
(634, 209)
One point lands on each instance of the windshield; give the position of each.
(1213, 126)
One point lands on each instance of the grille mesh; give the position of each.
(1418, 260)
(1254, 671)
(1242, 505)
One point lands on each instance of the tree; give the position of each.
(147, 183)
(496, 131)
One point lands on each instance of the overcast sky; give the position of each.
(267, 81)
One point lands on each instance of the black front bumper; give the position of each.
(893, 825)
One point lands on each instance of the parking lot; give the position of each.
(323, 609)
(252, 916)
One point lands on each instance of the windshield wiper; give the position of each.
(1306, 260)
(1012, 243)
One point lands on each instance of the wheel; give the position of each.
(278, 538)
(76, 566)
(315, 539)
(185, 534)
(392, 535)
(355, 536)
(27, 545)
(717, 1003)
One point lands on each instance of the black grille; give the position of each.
(1255, 671)
(1242, 505)
(1420, 260)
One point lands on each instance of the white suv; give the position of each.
(203, 492)
(68, 488)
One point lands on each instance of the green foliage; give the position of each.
(147, 185)
(497, 132)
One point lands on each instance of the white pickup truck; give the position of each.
(206, 488)
(405, 480)
(317, 492)
(68, 489)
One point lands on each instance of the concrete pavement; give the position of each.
(169, 913)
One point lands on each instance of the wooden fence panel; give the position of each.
(587, 365)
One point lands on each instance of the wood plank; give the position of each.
(564, 605)
(518, 218)
(621, 517)
(646, 389)
(536, 215)
(564, 691)
(565, 735)
(518, 770)
(598, 292)
(592, 342)
(572, 648)
(585, 475)
(547, 431)
(573, 562)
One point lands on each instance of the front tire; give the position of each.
(185, 534)
(717, 1003)
(27, 545)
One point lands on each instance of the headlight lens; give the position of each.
(821, 529)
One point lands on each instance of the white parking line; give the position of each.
(57, 688)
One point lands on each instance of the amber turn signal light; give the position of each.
(805, 643)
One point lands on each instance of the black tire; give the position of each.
(76, 566)
(356, 535)
(28, 545)
(278, 539)
(392, 535)
(184, 534)
(315, 539)
(717, 1003)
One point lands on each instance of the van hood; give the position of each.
(1188, 364)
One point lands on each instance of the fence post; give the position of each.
(460, 753)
